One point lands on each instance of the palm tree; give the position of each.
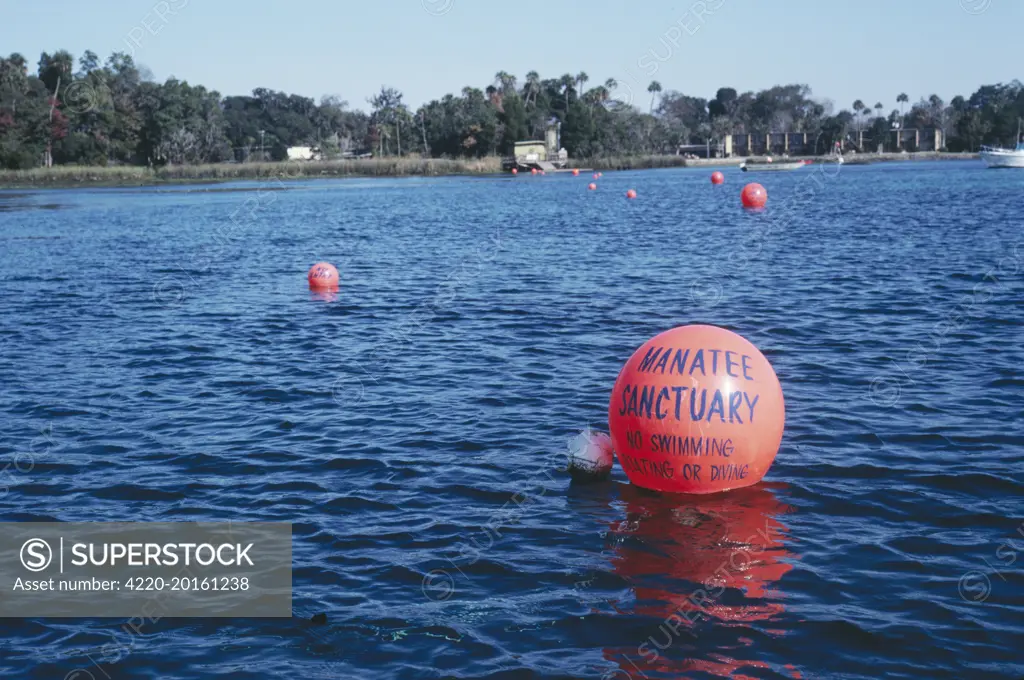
(654, 88)
(598, 95)
(858, 106)
(878, 108)
(901, 99)
(581, 78)
(611, 83)
(532, 86)
(505, 81)
(567, 81)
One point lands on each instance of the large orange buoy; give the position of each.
(575, 172)
(717, 177)
(591, 186)
(323, 276)
(631, 193)
(754, 196)
(696, 409)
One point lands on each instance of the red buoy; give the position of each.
(533, 171)
(323, 276)
(696, 409)
(754, 196)
(595, 175)
(515, 171)
(631, 193)
(591, 186)
(717, 177)
(575, 172)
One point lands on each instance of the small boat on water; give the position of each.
(1003, 158)
(746, 166)
(996, 157)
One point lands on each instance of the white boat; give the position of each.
(1003, 158)
(758, 167)
(996, 157)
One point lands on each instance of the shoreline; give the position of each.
(67, 177)
(848, 159)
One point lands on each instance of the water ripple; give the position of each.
(412, 427)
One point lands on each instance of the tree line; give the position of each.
(112, 112)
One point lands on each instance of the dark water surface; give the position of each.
(163, 360)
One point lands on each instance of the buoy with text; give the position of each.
(696, 409)
(323, 276)
(717, 177)
(754, 196)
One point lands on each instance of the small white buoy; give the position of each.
(590, 456)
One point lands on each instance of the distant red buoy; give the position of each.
(595, 175)
(600, 175)
(696, 409)
(754, 196)
(533, 171)
(631, 193)
(591, 186)
(515, 171)
(323, 276)
(575, 172)
(717, 177)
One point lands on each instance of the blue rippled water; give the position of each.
(162, 359)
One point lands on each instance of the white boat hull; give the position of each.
(764, 167)
(1003, 159)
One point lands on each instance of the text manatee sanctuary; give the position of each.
(663, 401)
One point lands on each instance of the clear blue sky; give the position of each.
(845, 50)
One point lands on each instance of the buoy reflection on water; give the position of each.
(706, 559)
